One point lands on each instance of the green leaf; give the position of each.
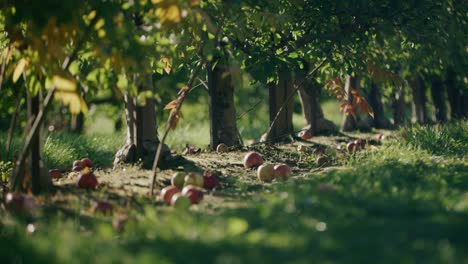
(19, 70)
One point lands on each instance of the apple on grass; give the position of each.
(180, 202)
(282, 171)
(194, 179)
(221, 148)
(55, 173)
(78, 163)
(305, 134)
(87, 181)
(103, 207)
(352, 147)
(178, 179)
(168, 192)
(86, 162)
(266, 172)
(194, 193)
(361, 143)
(253, 159)
(210, 179)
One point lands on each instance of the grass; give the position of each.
(405, 201)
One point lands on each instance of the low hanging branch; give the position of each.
(172, 120)
(33, 132)
(290, 96)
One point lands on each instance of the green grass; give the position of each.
(400, 204)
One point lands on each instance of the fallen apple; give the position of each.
(253, 159)
(77, 168)
(87, 163)
(319, 150)
(194, 179)
(380, 136)
(168, 192)
(194, 193)
(103, 207)
(87, 181)
(305, 134)
(55, 173)
(178, 179)
(78, 163)
(266, 172)
(351, 147)
(221, 148)
(322, 160)
(180, 202)
(210, 179)
(282, 171)
(361, 143)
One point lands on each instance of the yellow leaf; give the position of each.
(75, 102)
(171, 105)
(170, 14)
(64, 84)
(19, 70)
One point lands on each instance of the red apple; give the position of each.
(77, 168)
(194, 193)
(319, 150)
(221, 148)
(253, 159)
(282, 171)
(360, 142)
(351, 147)
(380, 136)
(194, 179)
(305, 134)
(78, 163)
(210, 179)
(87, 181)
(178, 179)
(168, 192)
(55, 173)
(321, 160)
(180, 202)
(103, 207)
(87, 163)
(266, 172)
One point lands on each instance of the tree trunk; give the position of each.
(278, 95)
(222, 111)
(142, 139)
(375, 101)
(399, 107)
(309, 95)
(438, 98)
(456, 98)
(35, 169)
(349, 122)
(77, 123)
(419, 100)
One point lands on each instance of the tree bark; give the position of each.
(278, 95)
(349, 123)
(438, 98)
(419, 100)
(142, 138)
(457, 99)
(375, 101)
(222, 111)
(309, 95)
(399, 107)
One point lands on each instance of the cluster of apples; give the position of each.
(356, 145)
(266, 171)
(85, 178)
(187, 189)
